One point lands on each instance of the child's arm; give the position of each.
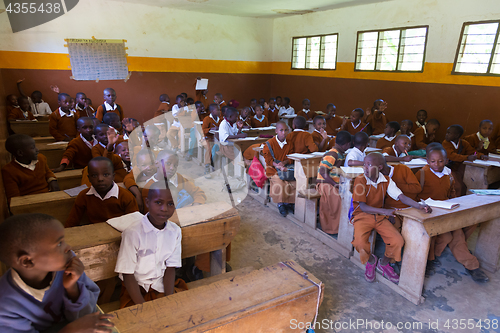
(133, 288)
(323, 171)
(353, 163)
(372, 210)
(237, 136)
(73, 271)
(21, 91)
(169, 281)
(95, 322)
(77, 211)
(138, 197)
(409, 202)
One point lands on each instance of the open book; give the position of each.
(441, 204)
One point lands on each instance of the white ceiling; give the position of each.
(255, 8)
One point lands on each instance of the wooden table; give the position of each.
(259, 131)
(240, 145)
(54, 153)
(419, 227)
(205, 228)
(69, 178)
(479, 176)
(373, 140)
(31, 128)
(44, 139)
(264, 300)
(57, 204)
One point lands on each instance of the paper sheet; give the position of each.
(489, 163)
(319, 153)
(73, 192)
(441, 204)
(371, 149)
(297, 155)
(416, 161)
(352, 169)
(486, 192)
(58, 143)
(248, 138)
(202, 84)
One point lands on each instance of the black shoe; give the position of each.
(430, 268)
(436, 262)
(283, 210)
(194, 273)
(478, 275)
(228, 267)
(290, 208)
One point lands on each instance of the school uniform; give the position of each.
(259, 122)
(39, 109)
(391, 151)
(116, 202)
(421, 138)
(353, 129)
(272, 115)
(377, 121)
(301, 142)
(209, 123)
(488, 146)
(173, 131)
(247, 121)
(226, 130)
(333, 125)
(406, 181)
(83, 112)
(385, 142)
(354, 154)
(62, 126)
(116, 108)
(163, 108)
(374, 194)
(78, 152)
(286, 111)
(317, 138)
(330, 203)
(18, 113)
(280, 190)
(22, 179)
(308, 114)
(118, 164)
(457, 154)
(419, 124)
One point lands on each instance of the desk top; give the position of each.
(52, 146)
(483, 164)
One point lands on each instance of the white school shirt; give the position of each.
(356, 155)
(392, 190)
(175, 113)
(146, 252)
(109, 107)
(286, 111)
(113, 193)
(64, 114)
(39, 109)
(395, 152)
(446, 172)
(225, 130)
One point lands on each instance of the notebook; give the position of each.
(441, 204)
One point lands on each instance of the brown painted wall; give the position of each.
(4, 155)
(139, 95)
(450, 104)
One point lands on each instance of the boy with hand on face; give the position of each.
(62, 122)
(481, 139)
(399, 150)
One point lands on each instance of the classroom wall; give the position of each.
(4, 155)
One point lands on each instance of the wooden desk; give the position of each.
(31, 128)
(263, 300)
(54, 153)
(240, 145)
(419, 227)
(44, 139)
(206, 228)
(69, 178)
(373, 140)
(259, 131)
(57, 204)
(200, 154)
(479, 176)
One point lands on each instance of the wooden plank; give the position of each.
(44, 139)
(487, 246)
(478, 176)
(31, 128)
(57, 204)
(261, 301)
(69, 178)
(54, 153)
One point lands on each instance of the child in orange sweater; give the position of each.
(390, 131)
(62, 122)
(320, 136)
(22, 112)
(481, 140)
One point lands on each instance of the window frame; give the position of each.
(320, 53)
(495, 42)
(399, 47)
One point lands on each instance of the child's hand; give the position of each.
(239, 124)
(91, 323)
(54, 89)
(484, 157)
(425, 208)
(390, 212)
(243, 135)
(407, 158)
(112, 137)
(383, 106)
(74, 269)
(480, 145)
(128, 124)
(54, 186)
(323, 133)
(368, 112)
(20, 81)
(472, 157)
(266, 105)
(59, 168)
(344, 122)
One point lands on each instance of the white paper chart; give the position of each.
(98, 59)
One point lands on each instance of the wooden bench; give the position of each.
(44, 139)
(479, 176)
(53, 152)
(240, 145)
(311, 196)
(69, 178)
(264, 300)
(31, 128)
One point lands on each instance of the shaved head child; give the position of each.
(150, 251)
(62, 122)
(306, 112)
(301, 141)
(320, 137)
(104, 200)
(480, 141)
(219, 100)
(406, 128)
(28, 172)
(421, 118)
(259, 120)
(426, 134)
(81, 108)
(46, 287)
(356, 156)
(376, 118)
(272, 111)
(109, 105)
(22, 112)
(286, 109)
(390, 131)
(398, 152)
(354, 124)
(328, 183)
(369, 193)
(333, 122)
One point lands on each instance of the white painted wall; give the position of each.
(150, 32)
(444, 17)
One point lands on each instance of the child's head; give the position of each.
(331, 109)
(272, 102)
(184, 95)
(402, 144)
(36, 96)
(377, 104)
(231, 115)
(167, 163)
(421, 116)
(299, 122)
(96, 122)
(391, 128)
(432, 126)
(319, 123)
(244, 112)
(24, 104)
(436, 156)
(109, 96)
(144, 163)
(101, 174)
(453, 133)
(486, 128)
(160, 204)
(179, 100)
(406, 126)
(306, 104)
(360, 140)
(200, 108)
(214, 110)
(343, 140)
(101, 133)
(12, 100)
(113, 120)
(278, 100)
(189, 101)
(262, 101)
(373, 163)
(281, 130)
(356, 115)
(259, 111)
(22, 147)
(223, 111)
(164, 98)
(34, 245)
(253, 103)
(72, 103)
(80, 99)
(152, 134)
(218, 98)
(64, 101)
(85, 126)
(121, 150)
(88, 102)
(129, 124)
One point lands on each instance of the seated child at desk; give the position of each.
(272, 111)
(301, 141)
(210, 123)
(259, 120)
(229, 129)
(369, 193)
(480, 141)
(200, 111)
(399, 150)
(82, 110)
(390, 131)
(22, 112)
(150, 251)
(253, 104)
(164, 105)
(46, 288)
(109, 105)
(426, 134)
(62, 122)
(28, 172)
(79, 150)
(333, 122)
(281, 191)
(354, 124)
(286, 109)
(437, 183)
(173, 131)
(36, 104)
(121, 149)
(279, 102)
(327, 185)
(11, 104)
(306, 112)
(357, 155)
(219, 100)
(245, 117)
(113, 120)
(458, 151)
(406, 128)
(144, 168)
(320, 137)
(376, 118)
(421, 118)
(105, 199)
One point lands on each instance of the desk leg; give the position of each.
(218, 262)
(182, 139)
(475, 177)
(416, 250)
(301, 184)
(346, 230)
(488, 245)
(239, 169)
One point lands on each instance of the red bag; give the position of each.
(257, 172)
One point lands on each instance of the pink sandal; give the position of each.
(388, 272)
(370, 270)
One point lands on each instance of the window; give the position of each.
(314, 52)
(391, 50)
(478, 51)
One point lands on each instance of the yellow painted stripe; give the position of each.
(433, 72)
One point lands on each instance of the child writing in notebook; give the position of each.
(398, 152)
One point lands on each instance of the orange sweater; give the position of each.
(377, 121)
(208, 124)
(302, 142)
(279, 153)
(100, 113)
(98, 210)
(77, 153)
(474, 142)
(256, 123)
(459, 155)
(309, 115)
(17, 113)
(333, 125)
(62, 128)
(370, 195)
(421, 139)
(272, 115)
(19, 181)
(317, 138)
(350, 128)
(434, 187)
(163, 108)
(384, 143)
(406, 182)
